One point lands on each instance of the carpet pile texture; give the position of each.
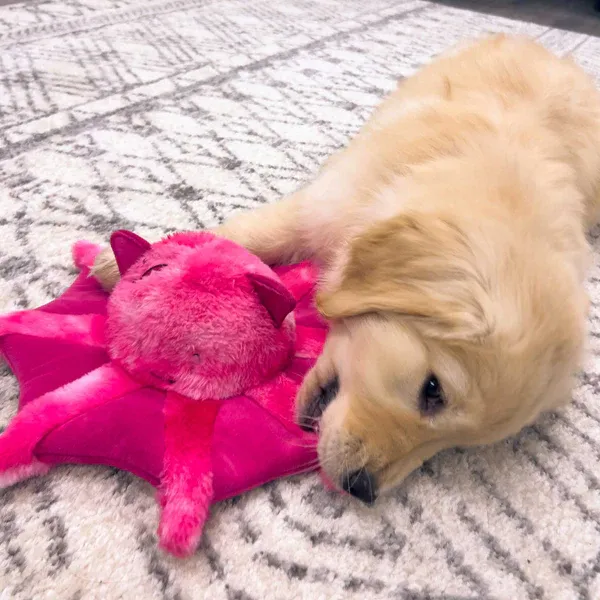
(169, 114)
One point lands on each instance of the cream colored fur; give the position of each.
(451, 231)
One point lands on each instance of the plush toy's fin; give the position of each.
(84, 254)
(274, 296)
(39, 417)
(252, 445)
(128, 247)
(87, 330)
(186, 490)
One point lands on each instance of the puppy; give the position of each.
(451, 234)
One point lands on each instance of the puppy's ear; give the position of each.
(418, 265)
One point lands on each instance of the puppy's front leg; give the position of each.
(274, 232)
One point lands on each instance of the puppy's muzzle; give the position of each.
(361, 484)
(314, 409)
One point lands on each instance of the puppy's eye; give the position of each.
(154, 268)
(432, 398)
(196, 357)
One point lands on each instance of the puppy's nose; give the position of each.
(321, 400)
(360, 484)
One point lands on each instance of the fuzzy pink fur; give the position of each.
(84, 254)
(187, 485)
(200, 316)
(203, 341)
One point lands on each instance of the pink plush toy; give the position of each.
(185, 376)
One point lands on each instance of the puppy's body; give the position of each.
(451, 231)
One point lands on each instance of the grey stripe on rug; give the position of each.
(170, 114)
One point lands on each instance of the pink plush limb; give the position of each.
(186, 490)
(84, 254)
(87, 330)
(41, 416)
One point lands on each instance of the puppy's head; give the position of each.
(444, 333)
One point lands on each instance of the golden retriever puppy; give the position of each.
(451, 233)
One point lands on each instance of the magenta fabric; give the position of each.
(42, 365)
(245, 437)
(198, 315)
(250, 437)
(127, 433)
(241, 461)
(34, 360)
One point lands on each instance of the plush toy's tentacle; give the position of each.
(40, 416)
(186, 490)
(80, 329)
(84, 254)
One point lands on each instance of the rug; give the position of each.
(170, 114)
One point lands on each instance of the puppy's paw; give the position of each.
(105, 269)
(315, 394)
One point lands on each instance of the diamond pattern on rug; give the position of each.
(171, 115)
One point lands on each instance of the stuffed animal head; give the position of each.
(197, 314)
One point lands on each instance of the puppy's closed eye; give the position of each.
(431, 399)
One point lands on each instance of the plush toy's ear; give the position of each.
(128, 247)
(274, 296)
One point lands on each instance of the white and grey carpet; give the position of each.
(167, 115)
